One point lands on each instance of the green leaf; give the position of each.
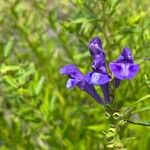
(114, 4)
(147, 80)
(52, 18)
(11, 81)
(53, 103)
(142, 123)
(78, 2)
(81, 56)
(96, 127)
(146, 108)
(39, 85)
(8, 47)
(5, 69)
(126, 140)
(136, 18)
(143, 98)
(81, 20)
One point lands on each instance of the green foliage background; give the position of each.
(37, 37)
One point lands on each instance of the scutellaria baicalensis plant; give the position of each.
(123, 68)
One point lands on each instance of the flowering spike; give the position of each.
(123, 68)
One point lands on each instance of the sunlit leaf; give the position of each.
(8, 47)
(141, 109)
(11, 81)
(5, 69)
(143, 98)
(96, 127)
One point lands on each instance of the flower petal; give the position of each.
(91, 91)
(124, 71)
(96, 41)
(95, 47)
(116, 68)
(105, 88)
(133, 70)
(72, 71)
(88, 77)
(99, 79)
(125, 56)
(72, 83)
(98, 62)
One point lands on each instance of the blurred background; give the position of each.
(37, 38)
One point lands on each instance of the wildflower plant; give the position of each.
(103, 108)
(108, 77)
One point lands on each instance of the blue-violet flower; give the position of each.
(124, 67)
(82, 81)
(99, 75)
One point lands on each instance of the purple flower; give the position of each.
(97, 53)
(124, 67)
(80, 80)
(99, 75)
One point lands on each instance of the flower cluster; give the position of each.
(123, 68)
